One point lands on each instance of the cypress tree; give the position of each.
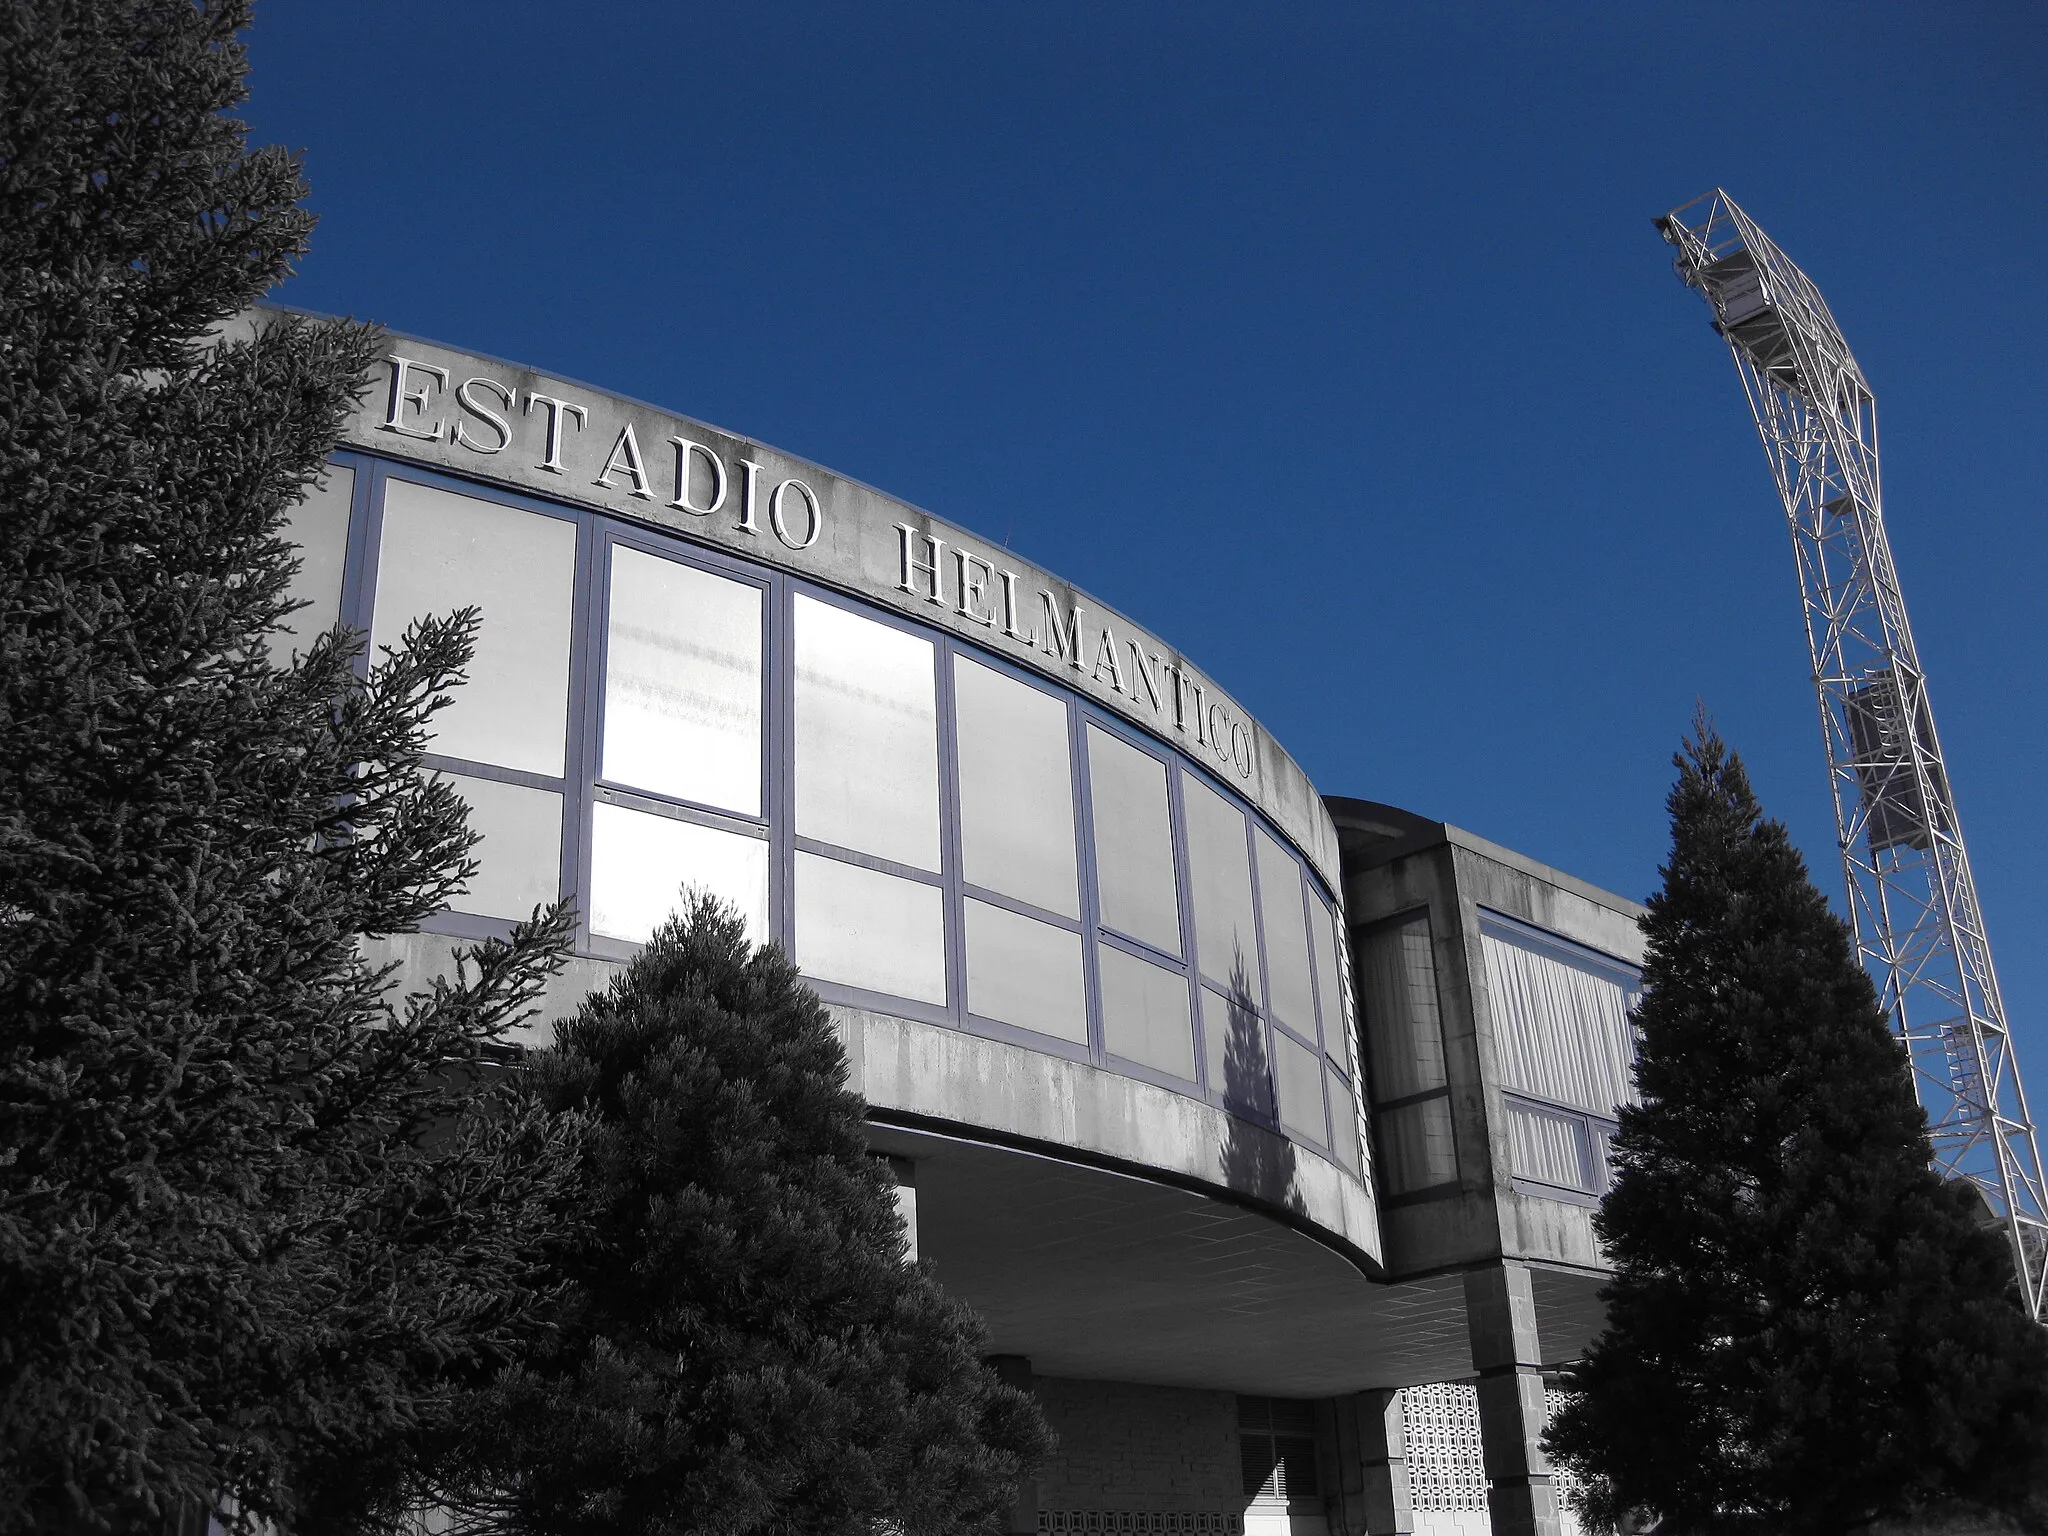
(254, 1221)
(746, 1349)
(1808, 1329)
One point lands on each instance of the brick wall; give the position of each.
(1128, 1447)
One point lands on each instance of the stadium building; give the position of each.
(1264, 1128)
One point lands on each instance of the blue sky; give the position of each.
(1334, 343)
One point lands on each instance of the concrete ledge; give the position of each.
(935, 1074)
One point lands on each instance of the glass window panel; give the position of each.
(1344, 1123)
(1219, 865)
(1133, 842)
(1330, 989)
(1016, 789)
(1234, 1049)
(441, 552)
(682, 692)
(1415, 1146)
(867, 736)
(520, 852)
(1546, 1147)
(1283, 919)
(1145, 1013)
(318, 525)
(1298, 1071)
(640, 863)
(867, 929)
(1024, 972)
(1403, 1026)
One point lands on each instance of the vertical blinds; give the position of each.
(1562, 1027)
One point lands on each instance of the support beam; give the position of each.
(1015, 1371)
(1367, 1445)
(1500, 1317)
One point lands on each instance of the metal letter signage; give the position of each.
(529, 432)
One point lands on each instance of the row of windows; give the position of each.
(928, 830)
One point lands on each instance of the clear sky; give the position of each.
(1333, 343)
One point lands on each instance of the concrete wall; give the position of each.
(933, 1073)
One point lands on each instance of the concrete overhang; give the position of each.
(1094, 1273)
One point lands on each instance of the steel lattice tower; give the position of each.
(1912, 899)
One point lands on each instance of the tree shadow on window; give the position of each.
(1256, 1161)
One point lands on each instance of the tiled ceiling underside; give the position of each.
(1097, 1274)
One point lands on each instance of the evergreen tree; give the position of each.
(747, 1350)
(254, 1222)
(1808, 1329)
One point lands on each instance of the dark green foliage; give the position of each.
(230, 1258)
(1807, 1328)
(747, 1351)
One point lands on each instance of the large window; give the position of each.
(1276, 1440)
(1567, 1050)
(503, 739)
(929, 830)
(1405, 1034)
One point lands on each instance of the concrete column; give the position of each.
(1368, 1447)
(1015, 1371)
(1500, 1316)
(905, 1174)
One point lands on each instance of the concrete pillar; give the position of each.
(1500, 1317)
(1367, 1445)
(1015, 1371)
(905, 1173)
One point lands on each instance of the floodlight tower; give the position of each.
(1912, 900)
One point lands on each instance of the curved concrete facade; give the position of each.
(879, 695)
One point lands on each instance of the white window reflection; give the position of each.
(1024, 972)
(869, 929)
(867, 736)
(1133, 842)
(640, 863)
(441, 552)
(1016, 789)
(519, 851)
(682, 696)
(1145, 1013)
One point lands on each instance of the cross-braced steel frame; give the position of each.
(1912, 900)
